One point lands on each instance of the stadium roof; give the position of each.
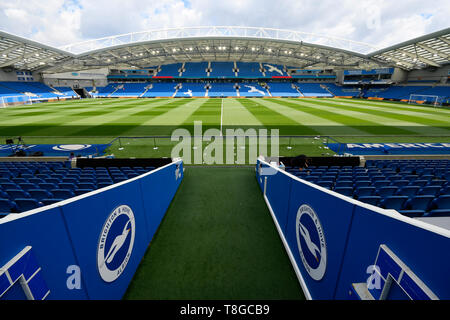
(157, 47)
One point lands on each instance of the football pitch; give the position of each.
(146, 125)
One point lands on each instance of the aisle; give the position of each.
(217, 241)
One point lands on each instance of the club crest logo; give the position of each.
(311, 242)
(71, 147)
(116, 242)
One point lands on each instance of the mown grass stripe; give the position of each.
(367, 126)
(413, 123)
(276, 120)
(407, 114)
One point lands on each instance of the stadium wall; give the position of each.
(341, 248)
(87, 247)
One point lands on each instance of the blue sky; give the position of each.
(381, 23)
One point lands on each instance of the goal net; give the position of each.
(425, 99)
(10, 101)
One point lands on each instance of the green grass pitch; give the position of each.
(102, 120)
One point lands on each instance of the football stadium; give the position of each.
(225, 163)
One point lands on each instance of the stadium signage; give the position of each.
(115, 244)
(397, 145)
(311, 242)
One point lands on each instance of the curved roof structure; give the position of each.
(158, 47)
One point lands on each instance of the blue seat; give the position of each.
(346, 191)
(19, 180)
(373, 200)
(66, 185)
(47, 202)
(86, 186)
(400, 183)
(344, 183)
(409, 191)
(7, 206)
(27, 186)
(70, 180)
(437, 182)
(36, 181)
(438, 213)
(62, 193)
(47, 186)
(364, 191)
(381, 183)
(363, 183)
(17, 193)
(53, 180)
(394, 202)
(412, 213)
(387, 191)
(82, 191)
(9, 185)
(419, 202)
(442, 202)
(24, 204)
(420, 183)
(325, 183)
(40, 194)
(430, 190)
(104, 184)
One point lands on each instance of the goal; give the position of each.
(10, 101)
(425, 99)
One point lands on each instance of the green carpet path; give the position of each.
(217, 241)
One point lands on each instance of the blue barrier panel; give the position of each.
(341, 248)
(99, 237)
(317, 228)
(46, 234)
(414, 251)
(109, 235)
(278, 187)
(156, 202)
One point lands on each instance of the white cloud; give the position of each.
(381, 23)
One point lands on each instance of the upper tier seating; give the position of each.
(195, 69)
(415, 188)
(222, 70)
(249, 69)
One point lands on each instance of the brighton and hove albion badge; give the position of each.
(116, 242)
(311, 242)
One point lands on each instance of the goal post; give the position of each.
(11, 101)
(425, 99)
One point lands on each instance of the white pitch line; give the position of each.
(221, 117)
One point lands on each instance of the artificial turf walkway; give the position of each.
(217, 241)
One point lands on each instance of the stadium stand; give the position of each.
(28, 185)
(161, 89)
(313, 90)
(222, 70)
(274, 70)
(415, 188)
(252, 89)
(195, 70)
(36, 90)
(218, 89)
(170, 70)
(283, 89)
(249, 69)
(343, 91)
(191, 90)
